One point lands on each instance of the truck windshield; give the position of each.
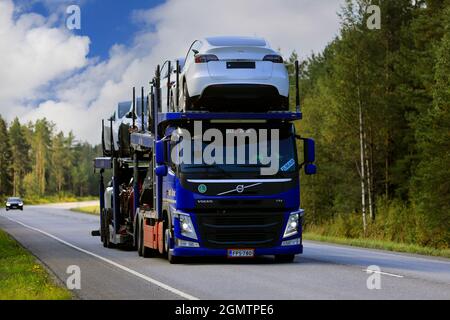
(283, 160)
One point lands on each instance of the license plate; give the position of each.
(241, 65)
(241, 253)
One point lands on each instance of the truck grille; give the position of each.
(240, 230)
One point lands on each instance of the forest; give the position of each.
(36, 162)
(377, 102)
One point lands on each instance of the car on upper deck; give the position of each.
(230, 73)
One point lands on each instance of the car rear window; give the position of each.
(124, 107)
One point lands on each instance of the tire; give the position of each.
(187, 99)
(140, 239)
(170, 257)
(102, 228)
(108, 243)
(285, 258)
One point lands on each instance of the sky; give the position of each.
(75, 78)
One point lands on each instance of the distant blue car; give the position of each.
(14, 203)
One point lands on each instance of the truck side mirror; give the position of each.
(310, 169)
(160, 152)
(161, 171)
(310, 150)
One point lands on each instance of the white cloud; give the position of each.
(80, 100)
(33, 54)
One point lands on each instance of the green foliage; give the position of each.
(38, 164)
(20, 160)
(399, 78)
(5, 159)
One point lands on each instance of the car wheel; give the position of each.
(285, 258)
(187, 99)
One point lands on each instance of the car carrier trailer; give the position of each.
(161, 207)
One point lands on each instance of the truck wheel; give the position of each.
(107, 243)
(140, 240)
(102, 227)
(285, 258)
(170, 257)
(187, 99)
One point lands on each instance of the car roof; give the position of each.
(232, 41)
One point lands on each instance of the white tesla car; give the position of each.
(119, 116)
(122, 121)
(234, 73)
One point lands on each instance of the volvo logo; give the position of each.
(239, 189)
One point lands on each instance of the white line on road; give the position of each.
(135, 273)
(383, 273)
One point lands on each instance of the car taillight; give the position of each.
(274, 58)
(204, 58)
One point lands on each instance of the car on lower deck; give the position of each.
(14, 203)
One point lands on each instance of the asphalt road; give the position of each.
(60, 238)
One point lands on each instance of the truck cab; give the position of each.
(232, 208)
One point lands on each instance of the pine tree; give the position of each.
(431, 188)
(19, 156)
(5, 159)
(59, 161)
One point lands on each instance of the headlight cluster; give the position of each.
(293, 224)
(186, 226)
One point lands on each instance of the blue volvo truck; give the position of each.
(160, 205)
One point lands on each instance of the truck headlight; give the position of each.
(186, 226)
(293, 223)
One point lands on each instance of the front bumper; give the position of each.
(206, 252)
(14, 207)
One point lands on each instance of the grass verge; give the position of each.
(22, 277)
(95, 210)
(380, 244)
